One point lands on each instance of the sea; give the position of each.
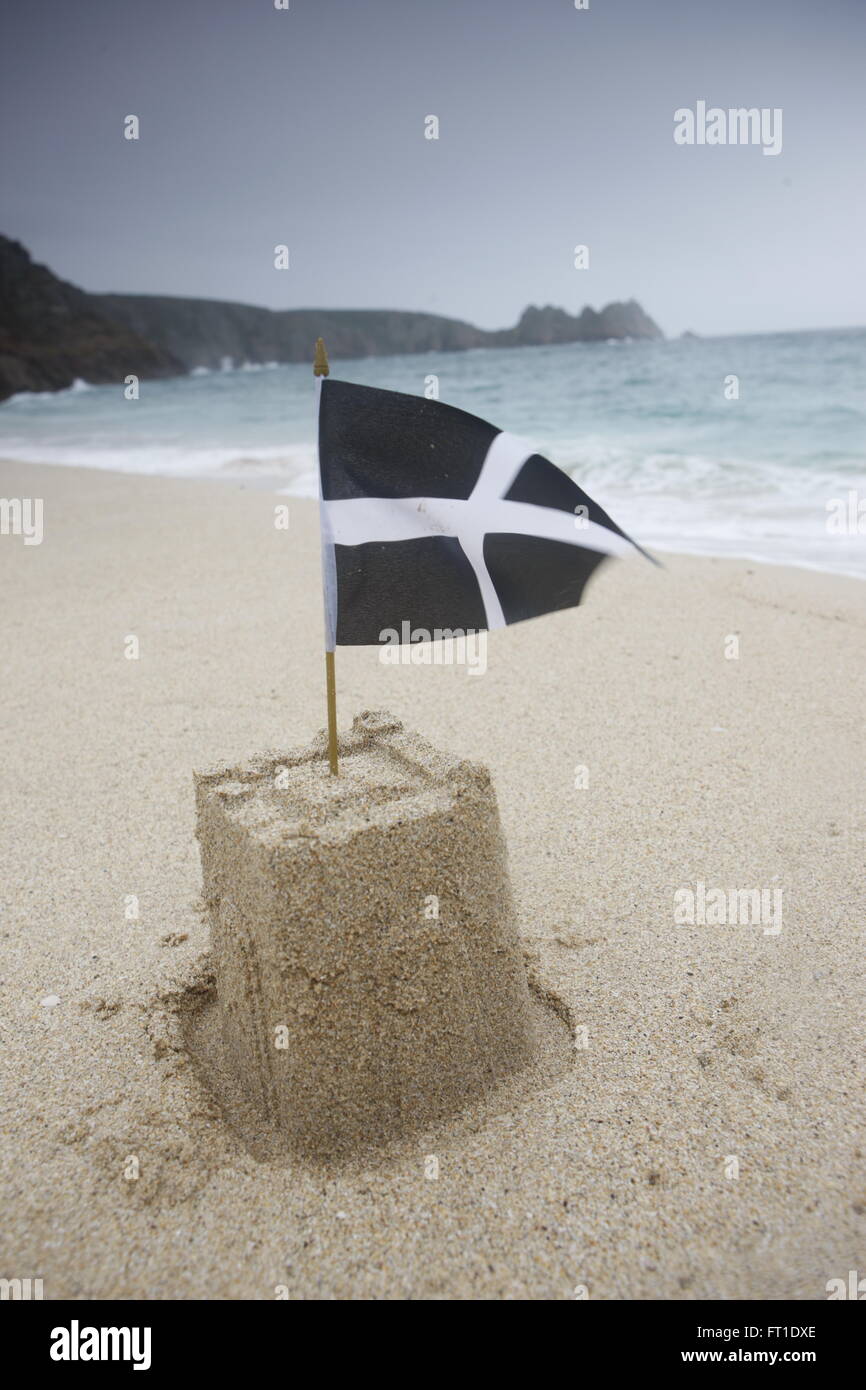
(751, 446)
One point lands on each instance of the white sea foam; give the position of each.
(282, 466)
(646, 431)
(35, 397)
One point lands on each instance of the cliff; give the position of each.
(51, 332)
(201, 332)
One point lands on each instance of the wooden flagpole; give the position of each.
(321, 368)
(332, 712)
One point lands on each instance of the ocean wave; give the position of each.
(77, 388)
(182, 461)
(228, 366)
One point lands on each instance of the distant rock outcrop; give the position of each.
(552, 325)
(51, 332)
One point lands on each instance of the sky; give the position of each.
(305, 127)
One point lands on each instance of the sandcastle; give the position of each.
(368, 969)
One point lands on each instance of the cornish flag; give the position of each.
(433, 517)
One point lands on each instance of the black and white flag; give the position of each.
(436, 519)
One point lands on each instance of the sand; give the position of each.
(704, 1138)
(368, 970)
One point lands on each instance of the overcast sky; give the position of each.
(306, 127)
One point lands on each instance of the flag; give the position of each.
(434, 518)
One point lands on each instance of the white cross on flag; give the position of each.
(435, 518)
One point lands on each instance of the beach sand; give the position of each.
(704, 1138)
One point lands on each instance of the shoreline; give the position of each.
(274, 484)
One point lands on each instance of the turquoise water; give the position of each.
(644, 427)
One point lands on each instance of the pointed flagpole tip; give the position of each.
(320, 361)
